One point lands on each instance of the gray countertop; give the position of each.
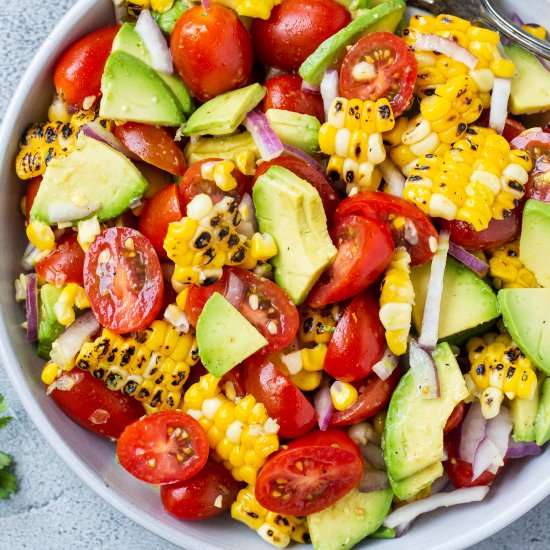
(53, 509)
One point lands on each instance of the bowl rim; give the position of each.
(16, 376)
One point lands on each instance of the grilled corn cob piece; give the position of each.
(240, 432)
(352, 136)
(317, 325)
(508, 270)
(152, 365)
(499, 368)
(480, 178)
(260, 9)
(396, 301)
(274, 528)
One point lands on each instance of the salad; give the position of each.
(292, 256)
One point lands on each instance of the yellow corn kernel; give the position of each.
(63, 308)
(343, 395)
(40, 235)
(353, 114)
(263, 247)
(307, 380)
(49, 373)
(222, 175)
(536, 30)
(434, 108)
(327, 139)
(314, 358)
(161, 5)
(503, 68)
(385, 120)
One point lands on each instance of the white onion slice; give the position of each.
(96, 131)
(426, 377)
(469, 260)
(31, 305)
(308, 87)
(66, 381)
(373, 480)
(265, 138)
(70, 212)
(395, 180)
(324, 407)
(234, 290)
(156, 44)
(498, 430)
(486, 456)
(249, 224)
(499, 103)
(330, 87)
(473, 432)
(386, 365)
(435, 43)
(29, 257)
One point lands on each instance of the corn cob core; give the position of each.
(508, 270)
(478, 179)
(240, 432)
(151, 365)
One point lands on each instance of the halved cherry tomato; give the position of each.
(64, 264)
(395, 70)
(374, 395)
(78, 72)
(295, 29)
(32, 189)
(89, 402)
(456, 417)
(274, 305)
(199, 496)
(153, 145)
(236, 377)
(358, 341)
(285, 92)
(164, 447)
(305, 171)
(159, 211)
(365, 248)
(386, 208)
(212, 51)
(282, 399)
(123, 280)
(311, 474)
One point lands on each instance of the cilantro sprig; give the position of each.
(8, 482)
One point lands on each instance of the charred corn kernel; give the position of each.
(50, 373)
(343, 395)
(317, 325)
(314, 358)
(491, 399)
(263, 247)
(222, 175)
(40, 235)
(536, 30)
(152, 365)
(135, 7)
(508, 270)
(396, 300)
(161, 6)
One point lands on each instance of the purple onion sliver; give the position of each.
(31, 305)
(373, 455)
(472, 432)
(206, 4)
(425, 374)
(468, 259)
(324, 407)
(520, 450)
(265, 138)
(298, 153)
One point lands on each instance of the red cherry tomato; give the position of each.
(395, 70)
(153, 145)
(385, 208)
(305, 171)
(456, 417)
(32, 189)
(374, 396)
(274, 305)
(78, 72)
(294, 31)
(285, 92)
(89, 402)
(365, 248)
(164, 447)
(64, 264)
(311, 474)
(282, 399)
(199, 496)
(212, 51)
(161, 209)
(123, 280)
(358, 341)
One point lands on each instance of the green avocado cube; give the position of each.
(534, 243)
(295, 129)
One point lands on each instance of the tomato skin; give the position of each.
(78, 72)
(303, 170)
(358, 341)
(157, 214)
(285, 92)
(194, 498)
(128, 292)
(295, 29)
(382, 207)
(365, 248)
(398, 68)
(147, 451)
(64, 264)
(456, 417)
(32, 189)
(95, 407)
(374, 395)
(153, 145)
(212, 51)
(282, 399)
(331, 436)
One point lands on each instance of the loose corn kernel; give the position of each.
(161, 6)
(536, 30)
(343, 395)
(50, 373)
(41, 235)
(72, 295)
(222, 175)
(260, 9)
(314, 358)
(263, 247)
(503, 68)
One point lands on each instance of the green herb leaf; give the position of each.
(5, 460)
(4, 421)
(8, 484)
(3, 404)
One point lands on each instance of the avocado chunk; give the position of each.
(224, 113)
(295, 129)
(92, 179)
(383, 533)
(542, 422)
(413, 434)
(291, 211)
(134, 91)
(223, 147)
(531, 86)
(534, 243)
(49, 328)
(526, 315)
(468, 302)
(129, 41)
(384, 17)
(524, 416)
(167, 20)
(349, 520)
(224, 337)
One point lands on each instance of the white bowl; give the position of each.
(521, 487)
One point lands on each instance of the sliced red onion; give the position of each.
(298, 153)
(435, 43)
(373, 480)
(426, 377)
(249, 224)
(472, 432)
(234, 291)
(31, 305)
(486, 456)
(520, 450)
(374, 455)
(70, 212)
(409, 512)
(324, 407)
(96, 131)
(265, 138)
(308, 87)
(330, 88)
(206, 4)
(121, 11)
(386, 365)
(469, 260)
(430, 321)
(393, 177)
(154, 41)
(29, 257)
(499, 103)
(498, 430)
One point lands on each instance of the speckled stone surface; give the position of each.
(53, 509)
